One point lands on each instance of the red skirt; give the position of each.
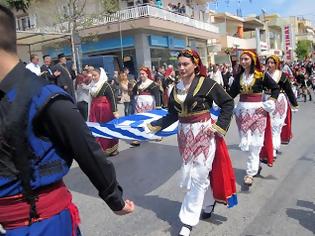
(286, 132)
(222, 176)
(100, 112)
(266, 153)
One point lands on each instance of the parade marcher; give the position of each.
(282, 107)
(103, 108)
(200, 140)
(302, 80)
(65, 79)
(168, 84)
(251, 111)
(41, 133)
(159, 78)
(146, 94)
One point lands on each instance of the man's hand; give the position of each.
(128, 208)
(57, 73)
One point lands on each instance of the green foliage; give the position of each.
(110, 6)
(22, 5)
(303, 49)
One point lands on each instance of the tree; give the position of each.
(22, 5)
(303, 49)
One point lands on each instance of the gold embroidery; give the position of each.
(193, 105)
(200, 82)
(219, 129)
(154, 128)
(247, 88)
(210, 89)
(184, 110)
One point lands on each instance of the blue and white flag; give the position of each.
(131, 127)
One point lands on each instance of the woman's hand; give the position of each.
(2, 230)
(116, 114)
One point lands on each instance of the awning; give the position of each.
(29, 38)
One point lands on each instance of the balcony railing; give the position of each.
(151, 11)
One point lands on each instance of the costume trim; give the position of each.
(193, 113)
(247, 88)
(198, 87)
(112, 149)
(219, 129)
(211, 89)
(154, 128)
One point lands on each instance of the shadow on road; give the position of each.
(216, 219)
(306, 218)
(140, 171)
(233, 147)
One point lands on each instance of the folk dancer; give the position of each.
(200, 141)
(146, 94)
(251, 112)
(103, 108)
(281, 117)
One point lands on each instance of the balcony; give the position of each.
(26, 23)
(309, 37)
(147, 11)
(241, 43)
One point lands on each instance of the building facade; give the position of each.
(138, 34)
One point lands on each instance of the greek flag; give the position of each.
(131, 127)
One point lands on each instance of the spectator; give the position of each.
(115, 85)
(125, 92)
(82, 89)
(34, 65)
(217, 76)
(65, 79)
(46, 71)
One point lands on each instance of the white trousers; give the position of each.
(253, 160)
(199, 192)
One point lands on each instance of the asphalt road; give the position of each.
(281, 201)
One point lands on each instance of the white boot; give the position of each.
(185, 230)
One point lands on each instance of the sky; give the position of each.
(303, 8)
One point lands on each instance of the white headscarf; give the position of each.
(96, 87)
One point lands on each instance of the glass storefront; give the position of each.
(164, 57)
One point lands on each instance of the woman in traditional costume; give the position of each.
(146, 94)
(251, 112)
(200, 141)
(103, 108)
(281, 117)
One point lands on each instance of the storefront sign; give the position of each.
(288, 43)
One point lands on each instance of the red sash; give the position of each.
(286, 132)
(266, 152)
(222, 176)
(14, 211)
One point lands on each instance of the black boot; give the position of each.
(310, 97)
(205, 215)
(304, 98)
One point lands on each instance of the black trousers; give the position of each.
(83, 108)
